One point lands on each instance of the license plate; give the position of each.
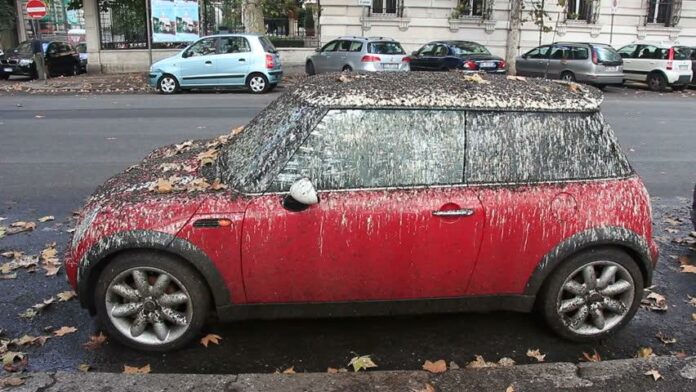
(684, 66)
(8, 69)
(612, 68)
(390, 66)
(487, 64)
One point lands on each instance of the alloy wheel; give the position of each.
(149, 305)
(168, 84)
(595, 297)
(257, 84)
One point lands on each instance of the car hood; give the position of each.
(18, 56)
(165, 62)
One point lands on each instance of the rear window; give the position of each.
(607, 54)
(389, 47)
(467, 48)
(516, 147)
(681, 53)
(267, 45)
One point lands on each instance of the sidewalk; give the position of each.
(616, 376)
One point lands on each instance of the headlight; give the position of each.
(25, 62)
(82, 227)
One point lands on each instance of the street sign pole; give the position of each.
(614, 6)
(148, 14)
(365, 4)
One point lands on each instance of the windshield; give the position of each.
(468, 48)
(24, 48)
(385, 48)
(607, 54)
(252, 159)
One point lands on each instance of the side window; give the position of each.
(580, 53)
(344, 46)
(203, 47)
(441, 51)
(628, 52)
(234, 45)
(514, 147)
(427, 50)
(648, 52)
(559, 53)
(52, 48)
(380, 148)
(356, 46)
(330, 47)
(541, 52)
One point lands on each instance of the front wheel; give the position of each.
(151, 301)
(309, 68)
(593, 294)
(168, 84)
(258, 83)
(568, 76)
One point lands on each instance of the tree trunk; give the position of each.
(513, 40)
(252, 16)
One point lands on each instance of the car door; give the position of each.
(630, 66)
(339, 58)
(198, 64)
(423, 58)
(533, 63)
(322, 58)
(647, 59)
(52, 56)
(393, 222)
(558, 58)
(233, 60)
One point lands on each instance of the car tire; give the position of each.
(657, 82)
(347, 68)
(568, 76)
(579, 313)
(162, 327)
(75, 70)
(309, 68)
(167, 84)
(5, 76)
(258, 83)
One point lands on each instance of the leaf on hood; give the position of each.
(66, 296)
(217, 185)
(197, 185)
(3, 231)
(439, 366)
(12, 254)
(46, 218)
(428, 387)
(179, 148)
(8, 276)
(591, 358)
(20, 227)
(654, 374)
(536, 354)
(208, 157)
(95, 342)
(163, 186)
(64, 331)
(136, 370)
(506, 362)
(11, 382)
(664, 339)
(210, 338)
(361, 362)
(290, 370)
(479, 362)
(12, 357)
(84, 368)
(691, 269)
(645, 352)
(655, 301)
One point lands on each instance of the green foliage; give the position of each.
(7, 15)
(279, 42)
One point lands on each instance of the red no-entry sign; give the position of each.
(36, 9)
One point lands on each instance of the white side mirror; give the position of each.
(303, 191)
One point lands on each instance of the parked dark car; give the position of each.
(465, 55)
(82, 50)
(693, 64)
(61, 59)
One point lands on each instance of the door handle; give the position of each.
(242, 60)
(460, 212)
(209, 62)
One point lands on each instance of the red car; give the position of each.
(375, 194)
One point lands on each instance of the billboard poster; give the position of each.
(174, 20)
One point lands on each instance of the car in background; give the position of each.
(61, 59)
(368, 54)
(591, 63)
(463, 55)
(659, 64)
(692, 55)
(82, 50)
(323, 206)
(226, 60)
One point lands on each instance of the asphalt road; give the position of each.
(55, 150)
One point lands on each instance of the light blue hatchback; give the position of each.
(227, 60)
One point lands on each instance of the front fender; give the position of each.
(100, 253)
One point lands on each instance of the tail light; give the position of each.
(471, 64)
(670, 58)
(501, 64)
(595, 58)
(406, 59)
(368, 58)
(270, 63)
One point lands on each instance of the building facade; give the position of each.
(415, 22)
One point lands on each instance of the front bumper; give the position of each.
(152, 78)
(16, 69)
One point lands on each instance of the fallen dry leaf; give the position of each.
(510, 389)
(664, 339)
(31, 340)
(66, 296)
(95, 342)
(37, 308)
(506, 362)
(20, 227)
(64, 331)
(536, 354)
(428, 387)
(290, 370)
(479, 362)
(136, 370)
(453, 365)
(46, 218)
(8, 276)
(217, 185)
(361, 362)
(654, 374)
(163, 186)
(84, 368)
(13, 361)
(592, 358)
(655, 301)
(645, 352)
(210, 338)
(11, 382)
(49, 260)
(691, 269)
(439, 366)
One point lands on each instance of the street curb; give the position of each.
(616, 375)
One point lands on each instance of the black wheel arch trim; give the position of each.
(592, 238)
(136, 240)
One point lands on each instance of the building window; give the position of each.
(123, 24)
(580, 10)
(660, 11)
(387, 7)
(469, 8)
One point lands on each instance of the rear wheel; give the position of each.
(309, 68)
(347, 68)
(75, 70)
(593, 294)
(568, 76)
(258, 83)
(151, 301)
(657, 82)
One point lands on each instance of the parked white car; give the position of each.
(659, 64)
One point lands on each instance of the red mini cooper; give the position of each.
(375, 194)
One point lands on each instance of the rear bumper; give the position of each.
(605, 79)
(275, 76)
(679, 78)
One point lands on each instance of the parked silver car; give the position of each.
(590, 63)
(358, 54)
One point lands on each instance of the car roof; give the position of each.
(659, 44)
(249, 35)
(445, 90)
(455, 42)
(354, 38)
